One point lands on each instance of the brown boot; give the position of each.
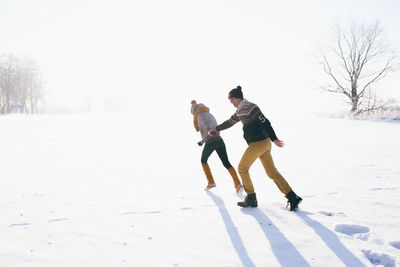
(236, 181)
(209, 176)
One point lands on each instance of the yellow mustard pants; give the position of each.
(262, 150)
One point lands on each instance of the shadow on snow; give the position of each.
(331, 240)
(232, 231)
(284, 251)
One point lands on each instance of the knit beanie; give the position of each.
(195, 106)
(236, 92)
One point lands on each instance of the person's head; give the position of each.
(195, 106)
(236, 96)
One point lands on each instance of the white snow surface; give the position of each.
(119, 190)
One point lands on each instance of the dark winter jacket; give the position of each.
(256, 126)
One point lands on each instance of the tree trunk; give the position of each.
(354, 104)
(354, 96)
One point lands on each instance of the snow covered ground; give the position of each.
(113, 190)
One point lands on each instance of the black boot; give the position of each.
(249, 201)
(293, 200)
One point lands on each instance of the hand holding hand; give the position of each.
(213, 132)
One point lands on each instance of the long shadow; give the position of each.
(284, 251)
(232, 231)
(331, 240)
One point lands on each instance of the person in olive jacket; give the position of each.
(258, 134)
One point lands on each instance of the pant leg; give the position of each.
(207, 151)
(253, 151)
(221, 151)
(223, 155)
(272, 172)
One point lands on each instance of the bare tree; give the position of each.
(30, 83)
(355, 61)
(20, 84)
(7, 85)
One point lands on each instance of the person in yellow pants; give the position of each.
(258, 134)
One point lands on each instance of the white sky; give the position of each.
(182, 49)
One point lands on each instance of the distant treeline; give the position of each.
(20, 84)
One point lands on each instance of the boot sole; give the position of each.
(251, 206)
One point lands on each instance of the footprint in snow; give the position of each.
(381, 188)
(144, 212)
(376, 189)
(327, 213)
(395, 244)
(187, 208)
(379, 259)
(152, 212)
(19, 224)
(58, 220)
(330, 213)
(358, 231)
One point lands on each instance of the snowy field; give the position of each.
(110, 190)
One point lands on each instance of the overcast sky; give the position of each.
(181, 49)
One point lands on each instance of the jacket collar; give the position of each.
(242, 103)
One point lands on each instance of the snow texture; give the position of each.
(107, 190)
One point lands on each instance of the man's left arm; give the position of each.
(266, 124)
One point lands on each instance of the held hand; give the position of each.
(213, 132)
(279, 143)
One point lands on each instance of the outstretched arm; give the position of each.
(227, 124)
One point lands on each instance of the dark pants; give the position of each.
(219, 146)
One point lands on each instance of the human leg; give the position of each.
(221, 151)
(253, 151)
(207, 151)
(272, 172)
(269, 166)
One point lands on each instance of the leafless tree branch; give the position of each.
(360, 52)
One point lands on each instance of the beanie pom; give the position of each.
(236, 93)
(193, 102)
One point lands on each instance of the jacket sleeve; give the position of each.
(266, 124)
(228, 123)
